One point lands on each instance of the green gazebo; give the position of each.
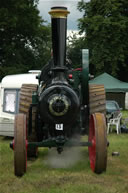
(115, 89)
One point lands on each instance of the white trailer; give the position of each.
(9, 99)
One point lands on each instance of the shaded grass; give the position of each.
(42, 178)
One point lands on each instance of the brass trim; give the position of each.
(59, 13)
(65, 103)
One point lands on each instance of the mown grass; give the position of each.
(78, 178)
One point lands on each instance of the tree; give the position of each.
(21, 36)
(106, 26)
(75, 44)
(42, 49)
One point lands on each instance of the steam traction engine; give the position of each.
(61, 108)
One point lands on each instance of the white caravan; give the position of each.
(9, 99)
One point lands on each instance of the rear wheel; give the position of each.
(98, 138)
(20, 145)
(97, 99)
(24, 105)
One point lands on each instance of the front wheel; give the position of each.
(20, 145)
(98, 138)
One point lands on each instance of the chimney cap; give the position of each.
(59, 12)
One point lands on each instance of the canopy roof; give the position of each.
(111, 84)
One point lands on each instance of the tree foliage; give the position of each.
(106, 26)
(75, 44)
(24, 37)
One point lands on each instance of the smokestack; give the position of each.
(59, 32)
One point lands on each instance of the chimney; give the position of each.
(59, 33)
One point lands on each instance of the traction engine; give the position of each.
(61, 108)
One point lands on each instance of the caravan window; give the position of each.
(11, 101)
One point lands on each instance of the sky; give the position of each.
(45, 6)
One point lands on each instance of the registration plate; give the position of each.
(59, 127)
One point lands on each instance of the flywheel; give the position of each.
(24, 105)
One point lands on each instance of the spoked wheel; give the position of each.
(98, 137)
(20, 145)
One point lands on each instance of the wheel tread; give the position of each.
(97, 99)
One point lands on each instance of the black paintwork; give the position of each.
(59, 41)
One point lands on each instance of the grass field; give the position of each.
(78, 178)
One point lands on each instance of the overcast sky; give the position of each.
(45, 6)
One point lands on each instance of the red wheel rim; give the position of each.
(92, 139)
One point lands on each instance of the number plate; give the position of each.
(59, 127)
